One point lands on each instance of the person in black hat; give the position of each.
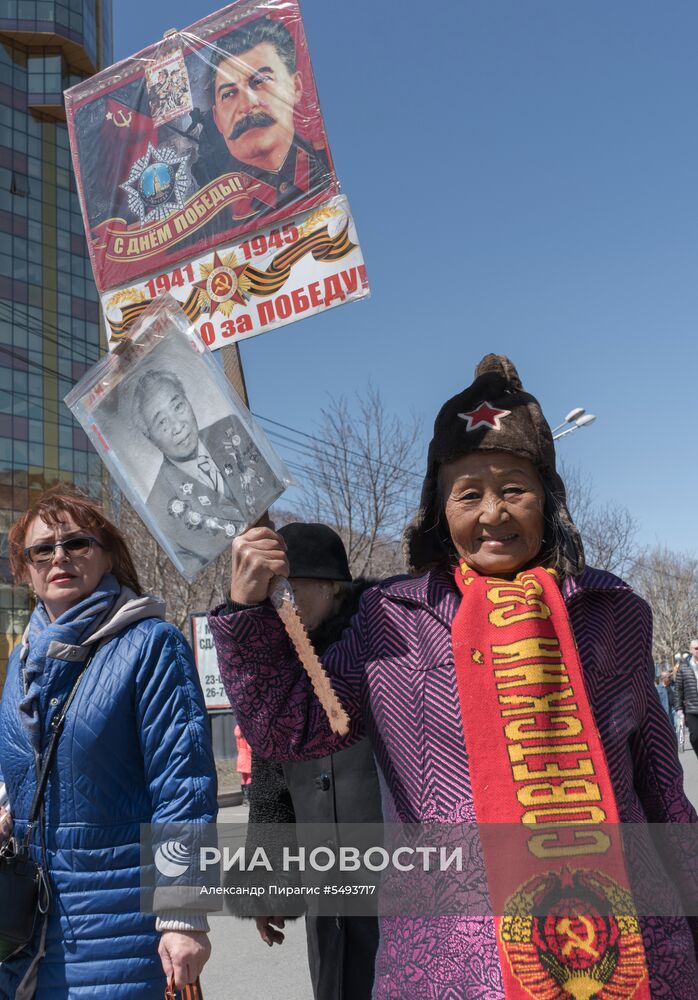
(338, 788)
(466, 677)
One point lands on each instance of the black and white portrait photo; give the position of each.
(182, 446)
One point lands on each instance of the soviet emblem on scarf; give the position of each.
(572, 934)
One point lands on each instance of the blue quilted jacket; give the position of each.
(135, 749)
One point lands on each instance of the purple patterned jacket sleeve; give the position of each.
(269, 690)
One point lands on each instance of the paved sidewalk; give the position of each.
(242, 967)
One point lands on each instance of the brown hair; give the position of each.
(64, 499)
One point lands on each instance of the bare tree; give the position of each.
(360, 475)
(667, 580)
(609, 531)
(669, 583)
(610, 539)
(580, 492)
(159, 576)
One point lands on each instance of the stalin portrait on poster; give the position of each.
(208, 135)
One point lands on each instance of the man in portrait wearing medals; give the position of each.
(211, 480)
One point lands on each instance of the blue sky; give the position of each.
(523, 177)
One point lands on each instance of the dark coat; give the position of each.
(686, 696)
(339, 788)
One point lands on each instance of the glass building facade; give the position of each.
(49, 314)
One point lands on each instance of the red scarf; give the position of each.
(568, 927)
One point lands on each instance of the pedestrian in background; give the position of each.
(686, 698)
(679, 658)
(338, 788)
(243, 765)
(665, 690)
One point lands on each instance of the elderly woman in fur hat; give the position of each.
(503, 683)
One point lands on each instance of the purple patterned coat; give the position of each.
(394, 673)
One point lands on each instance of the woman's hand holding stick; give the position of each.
(259, 556)
(259, 570)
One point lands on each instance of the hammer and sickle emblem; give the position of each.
(122, 119)
(222, 283)
(564, 927)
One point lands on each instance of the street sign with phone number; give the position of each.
(207, 663)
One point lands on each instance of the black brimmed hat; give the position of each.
(492, 414)
(315, 552)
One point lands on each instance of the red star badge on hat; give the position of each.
(484, 415)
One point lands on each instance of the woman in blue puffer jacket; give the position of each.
(135, 750)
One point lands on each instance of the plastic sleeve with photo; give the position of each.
(177, 438)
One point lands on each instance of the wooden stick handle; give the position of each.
(281, 596)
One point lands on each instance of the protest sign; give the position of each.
(275, 277)
(207, 135)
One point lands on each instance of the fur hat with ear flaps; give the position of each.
(492, 414)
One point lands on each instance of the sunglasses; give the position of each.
(43, 551)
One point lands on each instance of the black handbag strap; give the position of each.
(57, 723)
